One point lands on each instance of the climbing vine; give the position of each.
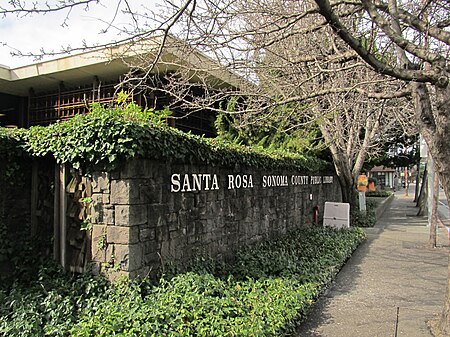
(106, 137)
(12, 156)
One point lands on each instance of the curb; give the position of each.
(383, 206)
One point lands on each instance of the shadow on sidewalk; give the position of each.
(394, 269)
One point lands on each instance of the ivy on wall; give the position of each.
(12, 155)
(106, 137)
(14, 174)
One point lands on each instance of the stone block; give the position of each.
(156, 214)
(146, 234)
(125, 192)
(199, 228)
(122, 235)
(162, 234)
(187, 201)
(108, 216)
(199, 200)
(100, 182)
(96, 268)
(193, 240)
(151, 193)
(178, 234)
(221, 194)
(190, 228)
(174, 202)
(173, 217)
(98, 245)
(168, 250)
(136, 257)
(150, 247)
(96, 208)
(139, 168)
(128, 257)
(106, 198)
(162, 221)
(153, 260)
(130, 215)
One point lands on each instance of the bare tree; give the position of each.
(274, 53)
(419, 30)
(285, 54)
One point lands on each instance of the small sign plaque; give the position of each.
(336, 215)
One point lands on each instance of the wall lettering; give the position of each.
(193, 182)
(299, 180)
(240, 181)
(316, 180)
(274, 181)
(206, 181)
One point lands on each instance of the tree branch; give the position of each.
(420, 25)
(403, 43)
(326, 10)
(18, 7)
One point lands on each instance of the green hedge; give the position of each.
(107, 137)
(378, 194)
(265, 292)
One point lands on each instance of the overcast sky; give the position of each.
(31, 33)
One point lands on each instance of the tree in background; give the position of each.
(294, 74)
(419, 32)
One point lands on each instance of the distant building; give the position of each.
(385, 176)
(47, 91)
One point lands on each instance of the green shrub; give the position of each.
(263, 294)
(367, 218)
(378, 194)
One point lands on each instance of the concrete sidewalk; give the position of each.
(391, 286)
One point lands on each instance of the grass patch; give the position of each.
(265, 292)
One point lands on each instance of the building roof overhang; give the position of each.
(110, 63)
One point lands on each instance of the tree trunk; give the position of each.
(422, 193)
(347, 191)
(345, 178)
(417, 190)
(435, 128)
(433, 216)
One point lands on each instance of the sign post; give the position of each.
(362, 201)
(363, 181)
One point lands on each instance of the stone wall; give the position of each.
(152, 212)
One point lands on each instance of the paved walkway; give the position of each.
(392, 273)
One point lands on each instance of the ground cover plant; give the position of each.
(265, 292)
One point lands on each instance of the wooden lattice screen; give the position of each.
(72, 231)
(48, 108)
